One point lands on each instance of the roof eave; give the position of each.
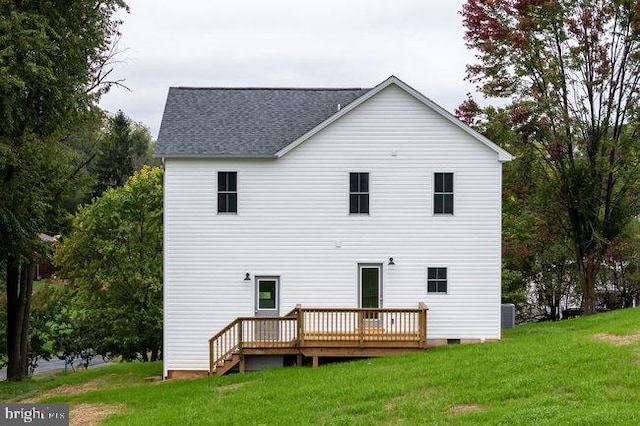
(218, 156)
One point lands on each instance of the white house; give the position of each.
(341, 198)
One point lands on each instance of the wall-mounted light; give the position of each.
(391, 262)
(246, 277)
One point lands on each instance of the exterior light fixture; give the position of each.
(391, 262)
(246, 277)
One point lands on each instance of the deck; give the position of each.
(318, 332)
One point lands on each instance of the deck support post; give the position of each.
(242, 365)
(422, 326)
(211, 360)
(361, 331)
(315, 361)
(300, 322)
(299, 360)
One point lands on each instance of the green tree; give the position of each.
(59, 326)
(571, 71)
(123, 149)
(113, 260)
(84, 141)
(54, 60)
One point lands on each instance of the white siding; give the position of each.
(293, 212)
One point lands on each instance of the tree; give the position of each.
(84, 141)
(570, 70)
(532, 245)
(619, 278)
(125, 147)
(54, 64)
(113, 260)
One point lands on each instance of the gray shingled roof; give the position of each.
(245, 121)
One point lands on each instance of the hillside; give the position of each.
(580, 371)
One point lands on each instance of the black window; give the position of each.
(436, 280)
(359, 193)
(443, 193)
(227, 192)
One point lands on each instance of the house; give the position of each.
(281, 199)
(44, 267)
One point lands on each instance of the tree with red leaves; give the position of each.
(571, 72)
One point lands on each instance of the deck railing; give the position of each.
(362, 325)
(319, 327)
(257, 332)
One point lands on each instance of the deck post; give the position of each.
(210, 356)
(300, 324)
(361, 328)
(299, 360)
(240, 334)
(315, 361)
(242, 366)
(422, 318)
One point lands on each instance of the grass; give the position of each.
(539, 374)
(110, 375)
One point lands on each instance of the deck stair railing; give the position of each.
(257, 332)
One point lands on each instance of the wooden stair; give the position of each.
(227, 364)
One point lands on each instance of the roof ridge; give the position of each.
(272, 88)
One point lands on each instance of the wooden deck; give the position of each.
(318, 332)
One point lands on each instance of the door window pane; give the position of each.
(370, 287)
(267, 294)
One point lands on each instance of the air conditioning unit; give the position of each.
(508, 315)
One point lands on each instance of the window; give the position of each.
(267, 293)
(227, 192)
(436, 280)
(359, 193)
(443, 193)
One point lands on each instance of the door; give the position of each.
(370, 283)
(267, 305)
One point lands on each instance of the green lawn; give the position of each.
(550, 373)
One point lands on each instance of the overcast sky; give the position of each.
(287, 43)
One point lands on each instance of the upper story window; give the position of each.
(227, 192)
(436, 280)
(359, 193)
(443, 193)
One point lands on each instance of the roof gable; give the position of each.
(267, 122)
(502, 154)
